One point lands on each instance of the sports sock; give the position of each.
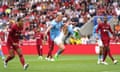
(22, 60)
(60, 51)
(41, 52)
(38, 50)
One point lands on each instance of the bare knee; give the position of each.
(62, 46)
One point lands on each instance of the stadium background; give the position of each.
(89, 10)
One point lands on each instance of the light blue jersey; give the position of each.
(56, 29)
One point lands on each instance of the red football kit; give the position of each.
(104, 30)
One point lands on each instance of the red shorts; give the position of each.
(106, 42)
(11, 46)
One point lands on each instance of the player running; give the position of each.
(56, 34)
(13, 43)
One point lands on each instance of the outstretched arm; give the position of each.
(48, 29)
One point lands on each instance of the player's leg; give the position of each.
(100, 54)
(105, 52)
(19, 52)
(39, 50)
(111, 57)
(60, 50)
(51, 46)
(104, 55)
(59, 41)
(49, 56)
(10, 57)
(22, 60)
(109, 53)
(99, 51)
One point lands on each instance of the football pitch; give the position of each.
(65, 63)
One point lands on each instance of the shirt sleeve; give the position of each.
(53, 24)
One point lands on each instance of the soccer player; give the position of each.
(55, 34)
(104, 29)
(51, 47)
(39, 37)
(13, 43)
(99, 46)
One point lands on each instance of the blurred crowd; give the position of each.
(39, 13)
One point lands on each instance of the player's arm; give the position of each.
(48, 29)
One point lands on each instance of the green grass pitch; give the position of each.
(65, 63)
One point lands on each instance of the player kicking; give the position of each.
(13, 43)
(55, 33)
(104, 29)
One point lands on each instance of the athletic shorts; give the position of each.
(106, 42)
(99, 42)
(11, 46)
(59, 39)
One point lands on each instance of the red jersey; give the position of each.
(104, 30)
(39, 38)
(14, 33)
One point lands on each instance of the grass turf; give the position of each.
(65, 63)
